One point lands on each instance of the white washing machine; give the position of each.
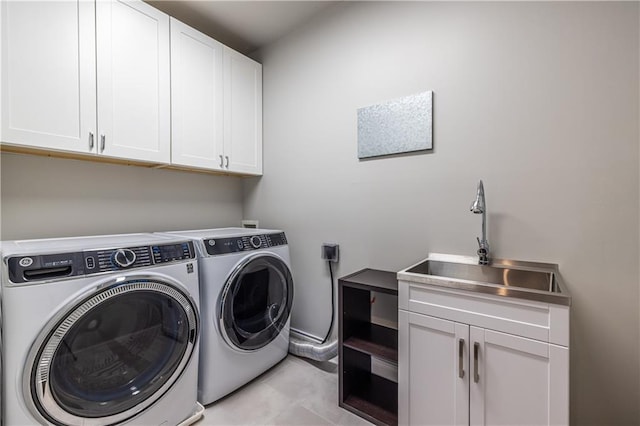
(100, 330)
(246, 293)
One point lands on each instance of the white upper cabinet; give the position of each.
(134, 103)
(242, 113)
(196, 99)
(87, 77)
(119, 78)
(48, 75)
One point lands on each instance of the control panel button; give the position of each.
(255, 241)
(240, 244)
(90, 262)
(123, 258)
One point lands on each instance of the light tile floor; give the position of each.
(294, 392)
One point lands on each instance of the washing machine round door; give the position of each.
(256, 302)
(114, 353)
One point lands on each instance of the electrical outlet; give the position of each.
(330, 252)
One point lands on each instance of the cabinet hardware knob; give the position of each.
(476, 350)
(102, 142)
(460, 358)
(221, 161)
(227, 158)
(91, 143)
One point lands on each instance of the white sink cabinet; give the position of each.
(468, 358)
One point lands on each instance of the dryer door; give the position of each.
(256, 302)
(113, 353)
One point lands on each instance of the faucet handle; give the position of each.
(483, 244)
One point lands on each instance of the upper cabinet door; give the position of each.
(196, 98)
(242, 113)
(134, 109)
(48, 74)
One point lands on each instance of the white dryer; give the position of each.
(246, 293)
(99, 330)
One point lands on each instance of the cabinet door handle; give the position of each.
(227, 158)
(102, 142)
(221, 161)
(476, 349)
(460, 358)
(91, 143)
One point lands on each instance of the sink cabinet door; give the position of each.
(519, 380)
(433, 371)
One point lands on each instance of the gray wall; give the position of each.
(538, 99)
(51, 197)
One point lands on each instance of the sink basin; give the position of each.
(528, 280)
(543, 281)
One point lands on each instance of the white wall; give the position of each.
(541, 100)
(50, 197)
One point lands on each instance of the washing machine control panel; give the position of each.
(217, 246)
(115, 259)
(25, 269)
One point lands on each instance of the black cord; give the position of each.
(333, 304)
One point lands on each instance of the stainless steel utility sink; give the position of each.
(508, 278)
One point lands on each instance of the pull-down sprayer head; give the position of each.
(478, 206)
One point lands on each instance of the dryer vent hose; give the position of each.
(314, 351)
(318, 351)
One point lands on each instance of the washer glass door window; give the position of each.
(114, 353)
(256, 302)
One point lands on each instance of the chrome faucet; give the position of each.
(479, 206)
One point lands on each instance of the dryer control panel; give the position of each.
(216, 246)
(23, 269)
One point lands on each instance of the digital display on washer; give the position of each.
(171, 252)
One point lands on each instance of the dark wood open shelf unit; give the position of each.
(362, 392)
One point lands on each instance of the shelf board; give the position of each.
(372, 280)
(366, 408)
(375, 340)
(376, 401)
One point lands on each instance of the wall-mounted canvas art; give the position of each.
(396, 126)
